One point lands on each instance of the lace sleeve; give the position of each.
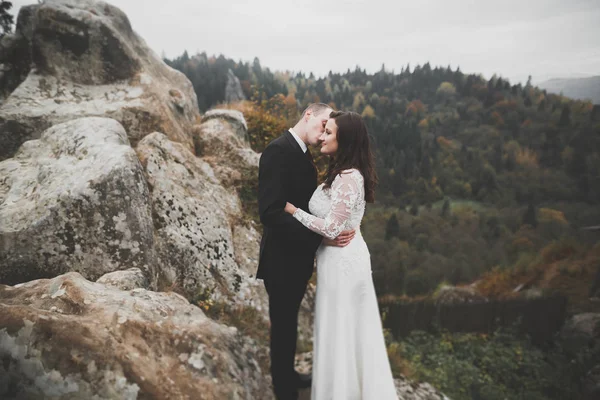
(344, 195)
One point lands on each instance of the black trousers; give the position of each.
(284, 303)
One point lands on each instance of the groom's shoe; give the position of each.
(303, 381)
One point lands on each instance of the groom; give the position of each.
(287, 173)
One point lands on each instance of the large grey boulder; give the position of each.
(193, 217)
(87, 61)
(74, 200)
(221, 139)
(235, 119)
(69, 338)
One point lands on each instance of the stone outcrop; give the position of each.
(74, 200)
(582, 328)
(221, 136)
(77, 198)
(129, 279)
(233, 88)
(193, 218)
(70, 338)
(87, 61)
(457, 295)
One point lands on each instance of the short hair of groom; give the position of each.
(316, 108)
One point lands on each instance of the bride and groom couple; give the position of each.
(302, 221)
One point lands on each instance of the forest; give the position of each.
(477, 177)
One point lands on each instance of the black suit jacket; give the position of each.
(287, 248)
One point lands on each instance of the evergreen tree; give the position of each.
(565, 116)
(392, 228)
(446, 208)
(529, 217)
(414, 208)
(6, 19)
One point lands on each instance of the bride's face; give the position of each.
(329, 143)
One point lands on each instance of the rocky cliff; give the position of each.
(119, 214)
(100, 177)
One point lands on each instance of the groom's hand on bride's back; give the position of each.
(342, 240)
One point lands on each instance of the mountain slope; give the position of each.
(576, 88)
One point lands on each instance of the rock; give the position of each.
(233, 88)
(235, 119)
(245, 249)
(85, 42)
(408, 390)
(586, 325)
(533, 293)
(222, 141)
(306, 315)
(303, 362)
(580, 334)
(192, 214)
(74, 200)
(591, 384)
(581, 331)
(132, 278)
(15, 53)
(71, 338)
(87, 61)
(454, 295)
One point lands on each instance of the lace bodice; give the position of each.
(338, 208)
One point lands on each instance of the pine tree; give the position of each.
(414, 208)
(6, 19)
(392, 228)
(446, 208)
(565, 116)
(529, 217)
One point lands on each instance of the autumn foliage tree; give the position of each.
(489, 145)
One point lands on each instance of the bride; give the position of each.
(350, 360)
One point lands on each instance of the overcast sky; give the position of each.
(512, 38)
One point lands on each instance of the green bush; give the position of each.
(495, 367)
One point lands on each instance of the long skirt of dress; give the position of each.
(350, 360)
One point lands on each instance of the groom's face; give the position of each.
(315, 126)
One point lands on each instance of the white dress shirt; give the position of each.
(300, 142)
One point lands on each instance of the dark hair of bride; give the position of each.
(354, 151)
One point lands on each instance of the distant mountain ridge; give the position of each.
(576, 88)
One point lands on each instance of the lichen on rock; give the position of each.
(87, 61)
(74, 200)
(119, 344)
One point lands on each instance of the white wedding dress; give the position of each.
(350, 360)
